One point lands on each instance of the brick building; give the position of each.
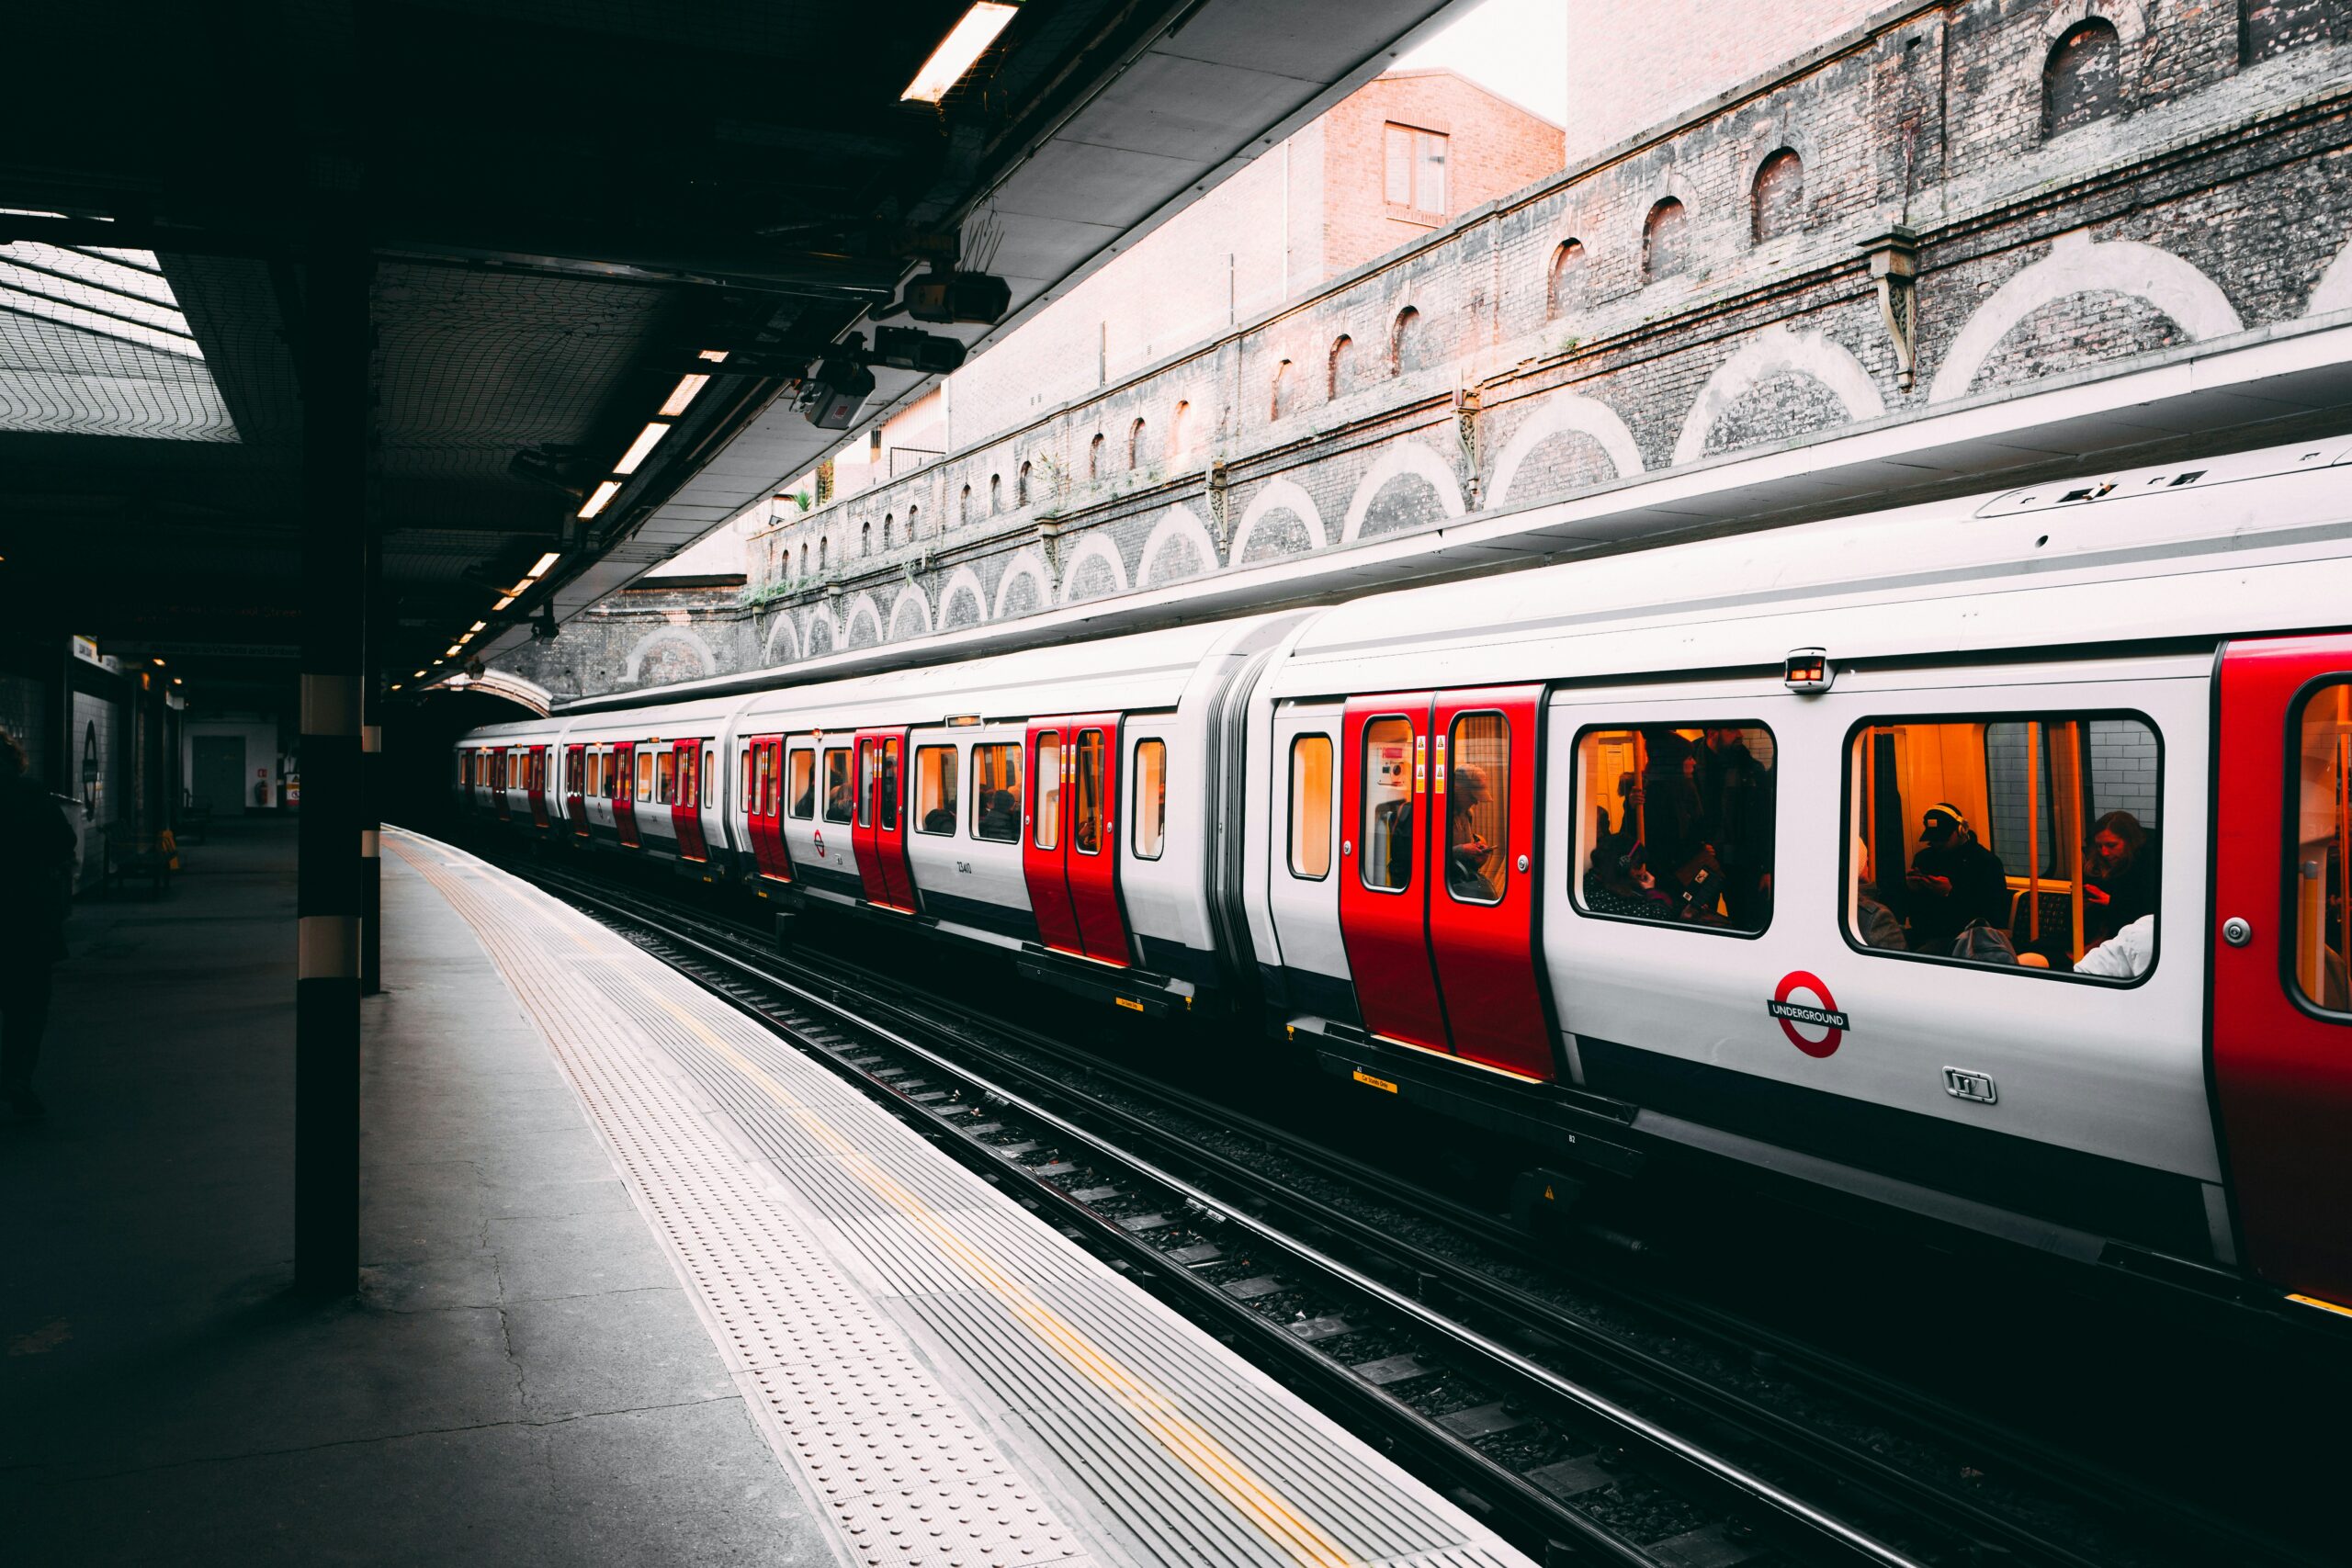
(2089, 187)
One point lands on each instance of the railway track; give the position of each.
(1568, 1435)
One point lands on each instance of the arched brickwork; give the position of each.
(965, 603)
(1567, 416)
(1022, 589)
(1275, 499)
(862, 627)
(1093, 572)
(782, 644)
(673, 653)
(1777, 355)
(1179, 547)
(1401, 459)
(909, 614)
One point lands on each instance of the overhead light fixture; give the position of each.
(640, 448)
(396, 685)
(504, 602)
(159, 663)
(601, 498)
(716, 356)
(683, 395)
(177, 682)
(546, 561)
(448, 652)
(958, 52)
(418, 676)
(475, 627)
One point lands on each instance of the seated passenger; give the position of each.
(1393, 842)
(939, 819)
(838, 801)
(806, 801)
(1616, 882)
(1955, 883)
(2119, 875)
(1877, 925)
(1000, 818)
(1467, 853)
(2125, 955)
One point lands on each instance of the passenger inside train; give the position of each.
(1679, 824)
(2323, 868)
(935, 789)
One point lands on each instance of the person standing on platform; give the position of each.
(36, 866)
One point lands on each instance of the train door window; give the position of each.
(689, 779)
(1676, 823)
(802, 766)
(645, 775)
(885, 804)
(665, 778)
(759, 788)
(2321, 871)
(1151, 798)
(996, 793)
(1087, 810)
(751, 754)
(2027, 842)
(1310, 806)
(1049, 833)
(1477, 807)
(839, 793)
(935, 789)
(709, 777)
(1387, 863)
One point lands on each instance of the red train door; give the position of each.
(1045, 832)
(879, 833)
(575, 781)
(1481, 848)
(1093, 864)
(625, 795)
(1383, 881)
(685, 802)
(2282, 899)
(763, 807)
(538, 780)
(498, 780)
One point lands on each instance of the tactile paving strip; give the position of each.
(1190, 1455)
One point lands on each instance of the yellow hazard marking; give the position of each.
(1363, 1077)
(1155, 1411)
(2339, 1310)
(1128, 1002)
(1548, 1195)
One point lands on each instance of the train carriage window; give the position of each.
(2319, 868)
(1387, 863)
(2020, 842)
(1478, 808)
(996, 793)
(1089, 808)
(839, 795)
(1049, 834)
(709, 777)
(935, 789)
(751, 755)
(1310, 806)
(665, 778)
(645, 775)
(803, 766)
(1151, 798)
(1675, 822)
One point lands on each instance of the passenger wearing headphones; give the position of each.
(1954, 882)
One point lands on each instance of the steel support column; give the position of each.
(371, 769)
(334, 346)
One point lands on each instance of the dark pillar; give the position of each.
(371, 772)
(334, 345)
(153, 780)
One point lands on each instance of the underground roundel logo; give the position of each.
(1818, 1009)
(821, 843)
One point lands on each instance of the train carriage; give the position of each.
(1983, 861)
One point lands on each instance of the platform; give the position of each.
(644, 1284)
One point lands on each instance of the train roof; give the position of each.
(2252, 542)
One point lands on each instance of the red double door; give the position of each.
(1069, 844)
(536, 780)
(686, 800)
(879, 833)
(764, 806)
(496, 760)
(2282, 1005)
(1437, 886)
(625, 795)
(575, 780)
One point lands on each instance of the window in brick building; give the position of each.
(1665, 243)
(1342, 374)
(1565, 287)
(996, 494)
(1021, 486)
(804, 558)
(963, 506)
(865, 538)
(1415, 169)
(1134, 446)
(912, 512)
(825, 553)
(1279, 403)
(1779, 197)
(2272, 26)
(1176, 428)
(1407, 343)
(2083, 80)
(1094, 457)
(889, 530)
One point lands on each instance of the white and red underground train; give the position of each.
(1489, 846)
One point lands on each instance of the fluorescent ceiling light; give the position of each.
(601, 498)
(716, 356)
(956, 53)
(546, 561)
(476, 626)
(448, 652)
(504, 602)
(646, 439)
(684, 393)
(419, 675)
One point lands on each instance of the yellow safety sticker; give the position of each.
(1128, 1002)
(2339, 1310)
(1363, 1077)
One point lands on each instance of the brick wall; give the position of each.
(1494, 148)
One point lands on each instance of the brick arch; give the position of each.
(685, 635)
(2334, 289)
(2128, 18)
(864, 610)
(822, 625)
(965, 581)
(1278, 495)
(1777, 351)
(1567, 416)
(1094, 547)
(910, 598)
(1180, 524)
(784, 633)
(1404, 457)
(2077, 265)
(1028, 564)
